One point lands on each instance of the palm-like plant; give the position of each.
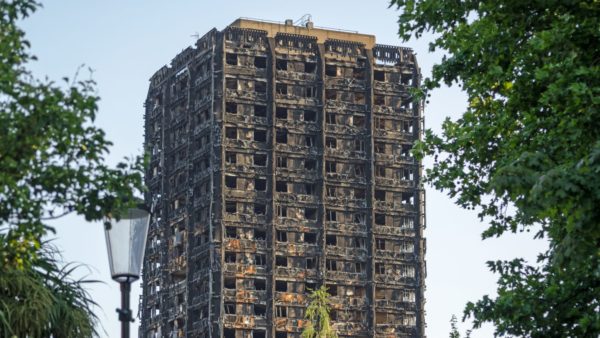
(317, 314)
(45, 301)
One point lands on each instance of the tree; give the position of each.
(52, 163)
(454, 333)
(44, 301)
(317, 314)
(526, 152)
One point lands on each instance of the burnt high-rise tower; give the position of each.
(280, 161)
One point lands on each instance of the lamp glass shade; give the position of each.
(126, 242)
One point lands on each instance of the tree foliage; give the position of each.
(52, 159)
(317, 315)
(52, 162)
(526, 152)
(45, 301)
(454, 333)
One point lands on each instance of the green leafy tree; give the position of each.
(52, 163)
(454, 333)
(526, 152)
(317, 314)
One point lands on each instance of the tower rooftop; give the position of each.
(273, 28)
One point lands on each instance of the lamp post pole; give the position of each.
(124, 312)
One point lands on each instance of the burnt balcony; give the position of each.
(246, 95)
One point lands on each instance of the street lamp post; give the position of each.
(126, 241)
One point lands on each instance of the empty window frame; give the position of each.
(331, 191)
(281, 113)
(230, 157)
(331, 215)
(281, 64)
(330, 167)
(332, 289)
(281, 186)
(281, 261)
(260, 184)
(231, 59)
(282, 236)
(230, 257)
(260, 86)
(281, 285)
(311, 262)
(229, 308)
(331, 142)
(260, 235)
(231, 83)
(310, 116)
(260, 310)
(281, 88)
(331, 240)
(228, 333)
(359, 145)
(229, 283)
(380, 243)
(358, 121)
(310, 67)
(281, 211)
(310, 164)
(230, 207)
(260, 135)
(230, 232)
(231, 107)
(260, 160)
(331, 70)
(282, 162)
(310, 237)
(281, 136)
(230, 182)
(231, 133)
(331, 118)
(260, 110)
(260, 209)
(280, 311)
(309, 141)
(309, 188)
(260, 62)
(379, 219)
(331, 265)
(260, 260)
(310, 214)
(260, 284)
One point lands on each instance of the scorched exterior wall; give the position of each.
(280, 161)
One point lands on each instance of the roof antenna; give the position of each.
(196, 36)
(306, 21)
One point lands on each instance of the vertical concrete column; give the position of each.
(370, 170)
(321, 217)
(271, 232)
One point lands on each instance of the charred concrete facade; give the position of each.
(280, 161)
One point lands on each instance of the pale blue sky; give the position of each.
(125, 42)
